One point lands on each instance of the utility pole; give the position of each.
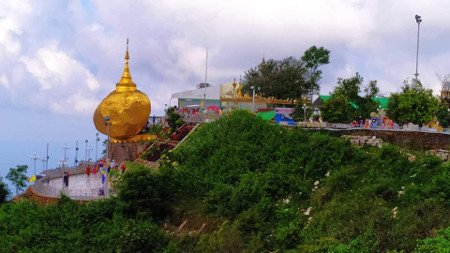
(418, 20)
(65, 148)
(96, 146)
(76, 154)
(34, 158)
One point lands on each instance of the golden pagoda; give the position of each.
(125, 111)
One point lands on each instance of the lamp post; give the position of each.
(96, 146)
(108, 125)
(86, 150)
(43, 160)
(65, 148)
(34, 157)
(89, 153)
(304, 112)
(253, 96)
(76, 154)
(418, 20)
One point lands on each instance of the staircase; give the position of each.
(152, 154)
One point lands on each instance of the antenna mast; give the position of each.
(206, 66)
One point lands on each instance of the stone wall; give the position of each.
(409, 139)
(365, 140)
(127, 151)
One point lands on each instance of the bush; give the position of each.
(144, 193)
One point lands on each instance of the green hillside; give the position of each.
(258, 188)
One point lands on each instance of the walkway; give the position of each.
(81, 186)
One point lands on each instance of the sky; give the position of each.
(59, 59)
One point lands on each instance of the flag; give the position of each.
(32, 179)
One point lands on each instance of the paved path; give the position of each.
(78, 182)
(80, 186)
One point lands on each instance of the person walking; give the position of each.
(66, 179)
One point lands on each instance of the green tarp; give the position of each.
(383, 101)
(266, 115)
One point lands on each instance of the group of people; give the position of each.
(375, 122)
(104, 167)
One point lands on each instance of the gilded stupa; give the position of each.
(125, 110)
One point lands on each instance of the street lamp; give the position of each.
(43, 160)
(65, 148)
(76, 154)
(304, 112)
(86, 150)
(89, 153)
(105, 186)
(418, 20)
(96, 146)
(34, 157)
(108, 125)
(253, 96)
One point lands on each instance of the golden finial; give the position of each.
(234, 83)
(239, 91)
(126, 82)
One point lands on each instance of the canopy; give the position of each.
(266, 115)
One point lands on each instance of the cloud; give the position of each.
(54, 51)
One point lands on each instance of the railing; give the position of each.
(199, 117)
(49, 191)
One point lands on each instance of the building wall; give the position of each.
(183, 102)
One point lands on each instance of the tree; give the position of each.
(144, 193)
(173, 118)
(18, 177)
(338, 110)
(443, 115)
(346, 103)
(4, 191)
(289, 78)
(414, 104)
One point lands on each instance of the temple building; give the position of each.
(227, 96)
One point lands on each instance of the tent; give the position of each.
(269, 115)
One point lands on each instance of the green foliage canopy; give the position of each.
(71, 227)
(289, 78)
(18, 177)
(346, 103)
(173, 118)
(414, 104)
(4, 191)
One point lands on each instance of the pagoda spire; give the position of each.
(126, 82)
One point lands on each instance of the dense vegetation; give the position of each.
(266, 187)
(346, 104)
(415, 104)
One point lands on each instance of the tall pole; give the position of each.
(76, 154)
(418, 20)
(96, 146)
(46, 159)
(253, 98)
(65, 148)
(43, 163)
(89, 153)
(206, 81)
(206, 67)
(86, 149)
(108, 124)
(34, 157)
(304, 112)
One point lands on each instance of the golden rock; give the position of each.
(127, 108)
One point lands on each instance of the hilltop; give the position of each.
(242, 184)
